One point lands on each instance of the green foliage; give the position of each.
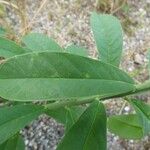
(40, 42)
(108, 37)
(9, 48)
(14, 143)
(40, 70)
(126, 126)
(74, 49)
(143, 112)
(88, 132)
(13, 119)
(60, 78)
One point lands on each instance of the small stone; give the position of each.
(127, 108)
(138, 59)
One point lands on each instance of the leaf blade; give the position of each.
(108, 37)
(143, 112)
(16, 117)
(74, 49)
(126, 126)
(40, 42)
(53, 76)
(91, 135)
(9, 48)
(14, 143)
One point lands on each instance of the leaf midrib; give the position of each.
(84, 145)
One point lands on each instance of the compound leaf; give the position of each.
(89, 131)
(60, 76)
(40, 42)
(126, 126)
(107, 32)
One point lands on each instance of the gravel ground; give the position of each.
(67, 21)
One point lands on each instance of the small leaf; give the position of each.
(40, 42)
(9, 48)
(143, 112)
(72, 115)
(15, 118)
(89, 131)
(126, 126)
(66, 115)
(14, 143)
(107, 32)
(74, 49)
(60, 76)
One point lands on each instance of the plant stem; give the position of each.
(143, 87)
(139, 88)
(60, 104)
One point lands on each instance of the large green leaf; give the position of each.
(143, 112)
(14, 143)
(9, 48)
(89, 131)
(126, 126)
(40, 42)
(13, 119)
(60, 76)
(74, 49)
(108, 37)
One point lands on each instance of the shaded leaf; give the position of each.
(72, 115)
(143, 112)
(60, 76)
(107, 32)
(14, 143)
(126, 126)
(66, 115)
(40, 42)
(74, 49)
(15, 118)
(89, 131)
(9, 48)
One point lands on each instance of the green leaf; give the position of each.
(143, 112)
(14, 143)
(9, 48)
(13, 119)
(2, 31)
(72, 115)
(74, 49)
(89, 131)
(40, 42)
(60, 76)
(66, 115)
(126, 126)
(108, 36)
